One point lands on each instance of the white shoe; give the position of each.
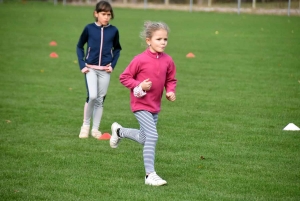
(114, 139)
(154, 180)
(84, 131)
(96, 134)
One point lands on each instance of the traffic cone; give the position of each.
(190, 55)
(291, 127)
(53, 55)
(105, 136)
(53, 43)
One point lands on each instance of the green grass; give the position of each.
(233, 100)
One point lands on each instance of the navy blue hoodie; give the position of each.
(103, 46)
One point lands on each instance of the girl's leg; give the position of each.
(133, 134)
(103, 79)
(91, 86)
(84, 109)
(147, 136)
(91, 81)
(87, 99)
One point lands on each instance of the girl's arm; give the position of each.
(116, 50)
(127, 78)
(171, 81)
(80, 48)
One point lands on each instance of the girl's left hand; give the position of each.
(85, 70)
(171, 96)
(109, 69)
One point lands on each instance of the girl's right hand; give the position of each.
(85, 70)
(146, 84)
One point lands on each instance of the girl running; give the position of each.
(146, 76)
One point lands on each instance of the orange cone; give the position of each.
(53, 43)
(105, 136)
(53, 55)
(190, 55)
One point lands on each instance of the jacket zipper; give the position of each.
(101, 44)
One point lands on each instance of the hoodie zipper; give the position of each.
(101, 44)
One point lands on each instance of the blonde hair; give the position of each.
(150, 27)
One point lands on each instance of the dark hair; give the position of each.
(104, 6)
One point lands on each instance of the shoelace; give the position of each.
(156, 177)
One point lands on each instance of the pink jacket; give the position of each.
(160, 69)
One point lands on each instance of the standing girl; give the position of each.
(146, 76)
(102, 53)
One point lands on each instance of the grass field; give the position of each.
(233, 101)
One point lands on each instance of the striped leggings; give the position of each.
(147, 136)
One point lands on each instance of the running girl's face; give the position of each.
(158, 41)
(103, 18)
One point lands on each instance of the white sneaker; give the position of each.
(114, 139)
(154, 180)
(84, 131)
(96, 134)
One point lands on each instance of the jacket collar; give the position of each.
(101, 25)
(155, 55)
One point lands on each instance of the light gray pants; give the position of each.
(147, 135)
(97, 83)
